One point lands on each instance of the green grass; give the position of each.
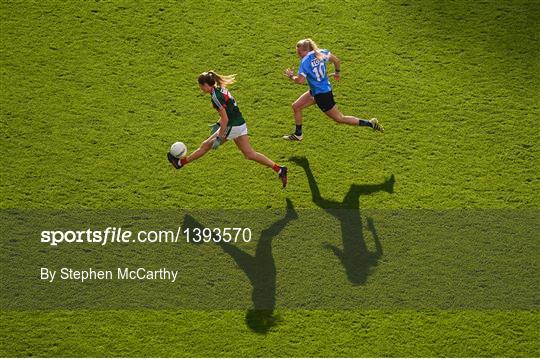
(93, 93)
(297, 333)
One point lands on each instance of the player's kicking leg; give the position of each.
(198, 153)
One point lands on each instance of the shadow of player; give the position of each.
(260, 269)
(354, 255)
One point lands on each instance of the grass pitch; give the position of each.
(93, 94)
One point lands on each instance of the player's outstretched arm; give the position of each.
(296, 79)
(337, 66)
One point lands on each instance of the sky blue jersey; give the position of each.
(314, 70)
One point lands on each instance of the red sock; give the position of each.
(276, 167)
(183, 161)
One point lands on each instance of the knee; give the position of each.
(295, 107)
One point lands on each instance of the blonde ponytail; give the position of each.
(309, 45)
(212, 78)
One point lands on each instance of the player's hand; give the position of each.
(217, 142)
(289, 73)
(337, 76)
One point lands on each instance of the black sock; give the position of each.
(364, 123)
(298, 131)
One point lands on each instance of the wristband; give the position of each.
(217, 142)
(337, 71)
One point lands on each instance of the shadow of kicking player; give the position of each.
(260, 269)
(354, 255)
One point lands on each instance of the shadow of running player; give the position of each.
(354, 255)
(260, 270)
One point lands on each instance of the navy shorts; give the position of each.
(325, 101)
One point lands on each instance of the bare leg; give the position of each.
(243, 145)
(337, 116)
(203, 148)
(305, 100)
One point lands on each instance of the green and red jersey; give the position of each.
(222, 98)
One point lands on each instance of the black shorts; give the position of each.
(325, 101)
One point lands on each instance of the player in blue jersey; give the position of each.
(313, 70)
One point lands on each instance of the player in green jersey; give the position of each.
(231, 126)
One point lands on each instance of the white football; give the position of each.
(178, 149)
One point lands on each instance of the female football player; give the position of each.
(231, 126)
(313, 69)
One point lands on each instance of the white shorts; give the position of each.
(237, 131)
